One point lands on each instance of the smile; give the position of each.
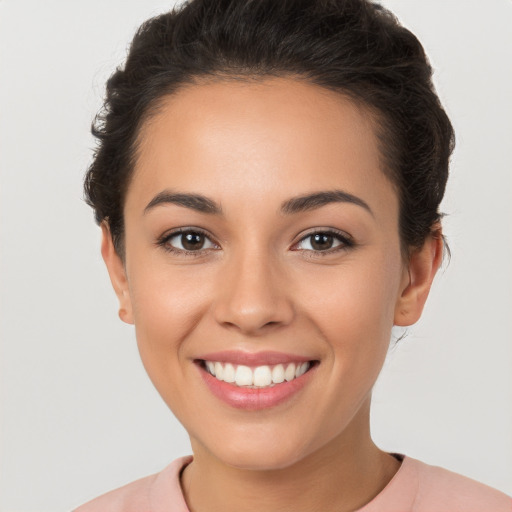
(255, 381)
(257, 377)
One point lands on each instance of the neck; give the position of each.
(343, 475)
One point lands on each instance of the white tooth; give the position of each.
(211, 367)
(301, 369)
(219, 371)
(289, 373)
(243, 376)
(229, 373)
(262, 376)
(278, 374)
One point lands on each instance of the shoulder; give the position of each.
(133, 497)
(143, 495)
(443, 490)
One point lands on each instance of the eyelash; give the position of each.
(344, 238)
(346, 242)
(163, 242)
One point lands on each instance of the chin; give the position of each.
(261, 461)
(262, 453)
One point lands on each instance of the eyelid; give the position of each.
(346, 239)
(163, 240)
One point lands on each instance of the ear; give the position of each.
(418, 276)
(117, 273)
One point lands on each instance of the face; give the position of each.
(261, 242)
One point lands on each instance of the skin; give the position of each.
(259, 285)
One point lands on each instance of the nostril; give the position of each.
(252, 304)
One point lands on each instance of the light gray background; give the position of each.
(78, 414)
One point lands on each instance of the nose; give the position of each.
(253, 295)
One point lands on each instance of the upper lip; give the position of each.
(253, 358)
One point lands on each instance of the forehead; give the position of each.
(274, 137)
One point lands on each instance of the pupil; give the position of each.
(322, 241)
(192, 241)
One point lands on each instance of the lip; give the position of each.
(251, 399)
(253, 358)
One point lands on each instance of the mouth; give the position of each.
(258, 377)
(254, 385)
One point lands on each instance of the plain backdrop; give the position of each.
(78, 413)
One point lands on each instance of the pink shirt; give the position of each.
(416, 487)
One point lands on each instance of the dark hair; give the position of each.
(354, 47)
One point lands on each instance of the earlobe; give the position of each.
(117, 273)
(418, 277)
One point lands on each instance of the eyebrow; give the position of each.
(298, 204)
(318, 199)
(196, 202)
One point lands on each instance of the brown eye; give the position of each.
(322, 241)
(192, 241)
(189, 241)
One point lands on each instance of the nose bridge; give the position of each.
(253, 294)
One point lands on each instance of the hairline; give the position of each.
(379, 122)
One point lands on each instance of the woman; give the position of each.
(268, 181)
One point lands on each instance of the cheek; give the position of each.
(354, 303)
(168, 303)
(167, 307)
(353, 308)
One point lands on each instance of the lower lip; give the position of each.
(255, 399)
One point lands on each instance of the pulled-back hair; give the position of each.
(354, 47)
